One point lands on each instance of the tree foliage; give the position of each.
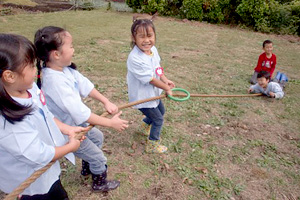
(279, 16)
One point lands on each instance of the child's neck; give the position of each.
(269, 55)
(19, 94)
(54, 66)
(149, 53)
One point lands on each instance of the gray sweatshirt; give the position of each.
(272, 87)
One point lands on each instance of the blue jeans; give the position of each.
(90, 151)
(154, 117)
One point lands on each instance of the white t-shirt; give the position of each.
(141, 69)
(27, 146)
(64, 91)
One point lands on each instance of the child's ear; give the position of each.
(55, 54)
(9, 76)
(132, 38)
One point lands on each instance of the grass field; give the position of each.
(219, 148)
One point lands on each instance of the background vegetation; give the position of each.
(278, 16)
(219, 148)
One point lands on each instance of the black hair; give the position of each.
(137, 23)
(267, 42)
(16, 52)
(46, 40)
(264, 74)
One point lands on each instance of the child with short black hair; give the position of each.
(264, 86)
(266, 61)
(30, 136)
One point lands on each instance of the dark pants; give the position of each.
(154, 117)
(56, 192)
(253, 79)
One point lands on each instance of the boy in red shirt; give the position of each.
(266, 61)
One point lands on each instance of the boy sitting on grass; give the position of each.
(266, 61)
(264, 86)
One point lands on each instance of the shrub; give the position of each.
(256, 13)
(172, 7)
(214, 10)
(284, 19)
(135, 4)
(192, 9)
(153, 6)
(279, 16)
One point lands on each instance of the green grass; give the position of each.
(250, 150)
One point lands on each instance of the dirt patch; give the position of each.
(42, 6)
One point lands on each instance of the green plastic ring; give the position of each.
(180, 99)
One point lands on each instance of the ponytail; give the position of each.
(39, 69)
(11, 110)
(73, 66)
(46, 40)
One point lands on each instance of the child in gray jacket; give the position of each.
(264, 86)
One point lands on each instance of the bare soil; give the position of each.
(42, 6)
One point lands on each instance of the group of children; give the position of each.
(39, 122)
(262, 77)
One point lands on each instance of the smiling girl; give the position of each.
(146, 79)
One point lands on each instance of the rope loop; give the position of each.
(180, 99)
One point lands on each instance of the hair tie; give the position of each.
(38, 76)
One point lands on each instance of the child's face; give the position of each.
(26, 78)
(268, 48)
(263, 82)
(145, 39)
(66, 50)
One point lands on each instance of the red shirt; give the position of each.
(266, 64)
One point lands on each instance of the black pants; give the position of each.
(56, 192)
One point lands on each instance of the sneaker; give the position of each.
(144, 129)
(153, 146)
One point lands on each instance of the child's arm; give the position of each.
(259, 64)
(115, 122)
(73, 145)
(69, 130)
(276, 91)
(160, 84)
(273, 66)
(110, 107)
(254, 89)
(167, 81)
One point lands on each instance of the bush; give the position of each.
(154, 6)
(279, 16)
(256, 13)
(192, 9)
(295, 10)
(135, 4)
(172, 7)
(229, 11)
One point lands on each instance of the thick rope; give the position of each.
(15, 193)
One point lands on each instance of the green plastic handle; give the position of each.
(180, 99)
